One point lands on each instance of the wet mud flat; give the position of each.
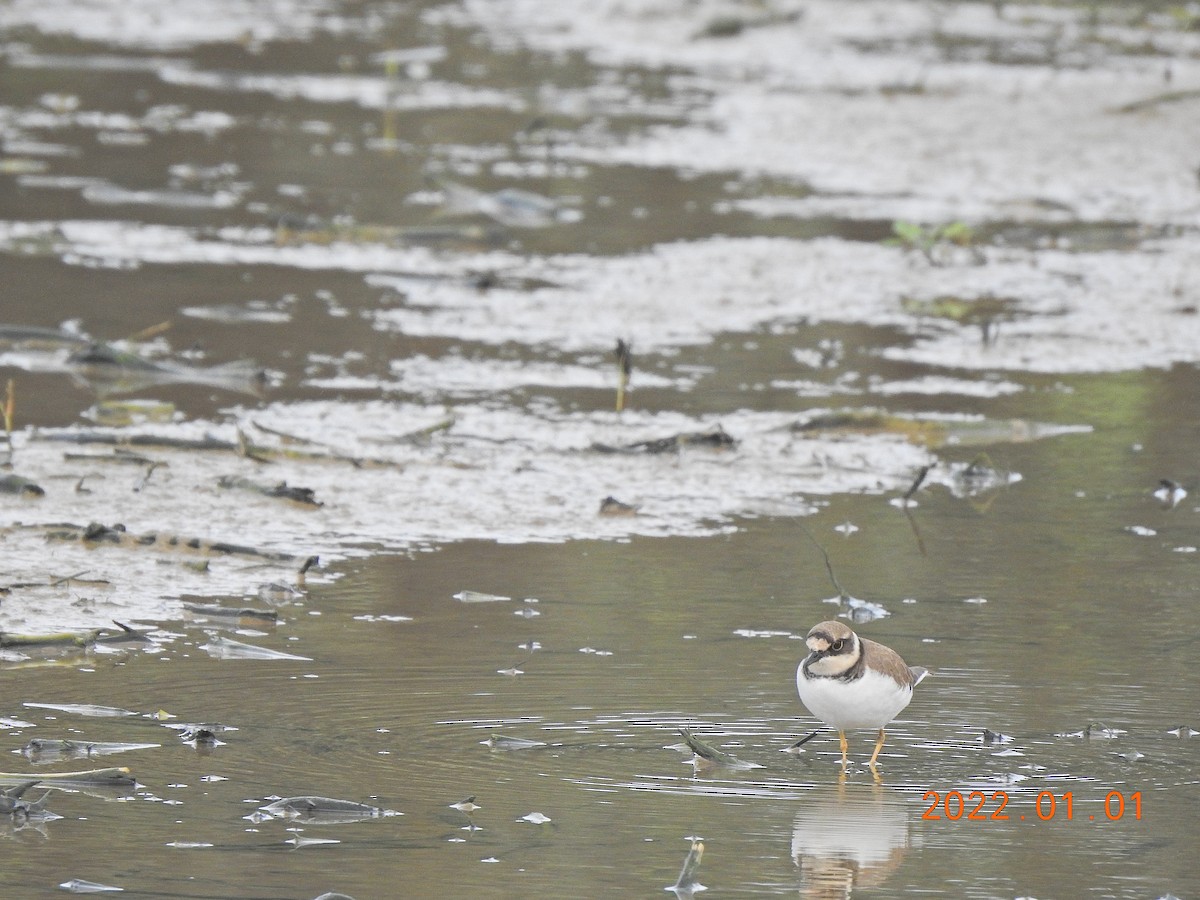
(335, 534)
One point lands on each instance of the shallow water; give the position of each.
(263, 181)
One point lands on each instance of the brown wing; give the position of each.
(888, 662)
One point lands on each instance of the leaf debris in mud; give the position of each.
(717, 439)
(118, 455)
(300, 495)
(97, 533)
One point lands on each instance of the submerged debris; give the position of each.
(480, 597)
(80, 886)
(717, 439)
(511, 207)
(502, 742)
(83, 709)
(986, 312)
(212, 610)
(978, 478)
(110, 370)
(311, 810)
(50, 750)
(995, 737)
(290, 229)
(111, 777)
(96, 533)
(222, 648)
(1093, 730)
(932, 433)
(276, 592)
(34, 337)
(12, 802)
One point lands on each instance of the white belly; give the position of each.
(867, 702)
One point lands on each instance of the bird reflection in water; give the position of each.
(848, 837)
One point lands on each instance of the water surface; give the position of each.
(250, 202)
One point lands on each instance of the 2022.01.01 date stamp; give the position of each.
(979, 806)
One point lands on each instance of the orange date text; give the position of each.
(980, 806)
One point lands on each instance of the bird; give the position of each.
(850, 682)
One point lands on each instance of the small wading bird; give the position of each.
(850, 682)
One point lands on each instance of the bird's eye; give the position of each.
(837, 645)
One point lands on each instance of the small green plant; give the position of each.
(928, 238)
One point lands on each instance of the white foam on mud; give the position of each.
(1073, 311)
(857, 99)
(148, 24)
(497, 474)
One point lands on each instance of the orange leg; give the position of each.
(878, 747)
(845, 750)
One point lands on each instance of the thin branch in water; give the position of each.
(624, 354)
(828, 565)
(10, 408)
(918, 481)
(149, 332)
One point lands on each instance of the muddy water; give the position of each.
(264, 185)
